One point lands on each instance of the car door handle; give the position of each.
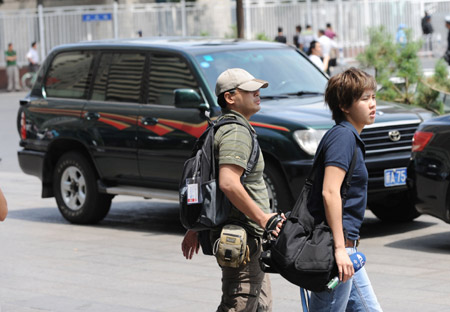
(91, 116)
(149, 121)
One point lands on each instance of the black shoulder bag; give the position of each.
(303, 252)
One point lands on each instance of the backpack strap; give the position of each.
(254, 153)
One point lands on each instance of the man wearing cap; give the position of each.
(246, 288)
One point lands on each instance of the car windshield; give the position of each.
(288, 72)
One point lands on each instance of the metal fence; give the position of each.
(350, 18)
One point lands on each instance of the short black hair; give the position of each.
(345, 88)
(33, 43)
(328, 25)
(298, 27)
(221, 100)
(280, 29)
(321, 31)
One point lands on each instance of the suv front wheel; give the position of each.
(279, 195)
(75, 189)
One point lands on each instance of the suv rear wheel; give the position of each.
(75, 189)
(279, 195)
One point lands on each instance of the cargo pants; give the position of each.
(246, 288)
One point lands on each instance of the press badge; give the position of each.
(194, 195)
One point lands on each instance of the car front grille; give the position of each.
(389, 137)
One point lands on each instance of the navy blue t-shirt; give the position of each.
(338, 145)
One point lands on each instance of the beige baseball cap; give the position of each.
(238, 78)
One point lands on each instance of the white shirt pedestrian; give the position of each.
(317, 61)
(327, 44)
(33, 56)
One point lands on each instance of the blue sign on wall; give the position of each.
(97, 17)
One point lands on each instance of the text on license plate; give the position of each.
(394, 177)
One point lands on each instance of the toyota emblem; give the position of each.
(394, 135)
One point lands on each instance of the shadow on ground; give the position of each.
(374, 227)
(432, 243)
(145, 216)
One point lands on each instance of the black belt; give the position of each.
(351, 243)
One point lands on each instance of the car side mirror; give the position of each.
(189, 98)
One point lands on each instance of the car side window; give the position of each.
(68, 76)
(119, 77)
(167, 73)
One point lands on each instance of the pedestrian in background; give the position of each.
(298, 31)
(306, 38)
(280, 37)
(12, 71)
(315, 54)
(447, 53)
(329, 32)
(350, 96)
(33, 58)
(3, 206)
(427, 30)
(247, 287)
(329, 46)
(400, 36)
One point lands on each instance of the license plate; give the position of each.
(394, 177)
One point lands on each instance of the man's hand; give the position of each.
(190, 244)
(277, 229)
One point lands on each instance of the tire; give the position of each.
(279, 193)
(75, 189)
(394, 208)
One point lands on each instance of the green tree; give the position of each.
(429, 89)
(262, 36)
(393, 60)
(440, 77)
(379, 53)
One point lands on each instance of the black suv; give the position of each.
(121, 117)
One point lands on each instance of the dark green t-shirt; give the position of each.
(233, 145)
(10, 53)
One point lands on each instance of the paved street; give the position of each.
(132, 260)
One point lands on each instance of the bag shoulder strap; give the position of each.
(348, 175)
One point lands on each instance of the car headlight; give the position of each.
(309, 139)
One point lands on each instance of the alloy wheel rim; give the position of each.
(73, 188)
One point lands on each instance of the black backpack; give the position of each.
(203, 205)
